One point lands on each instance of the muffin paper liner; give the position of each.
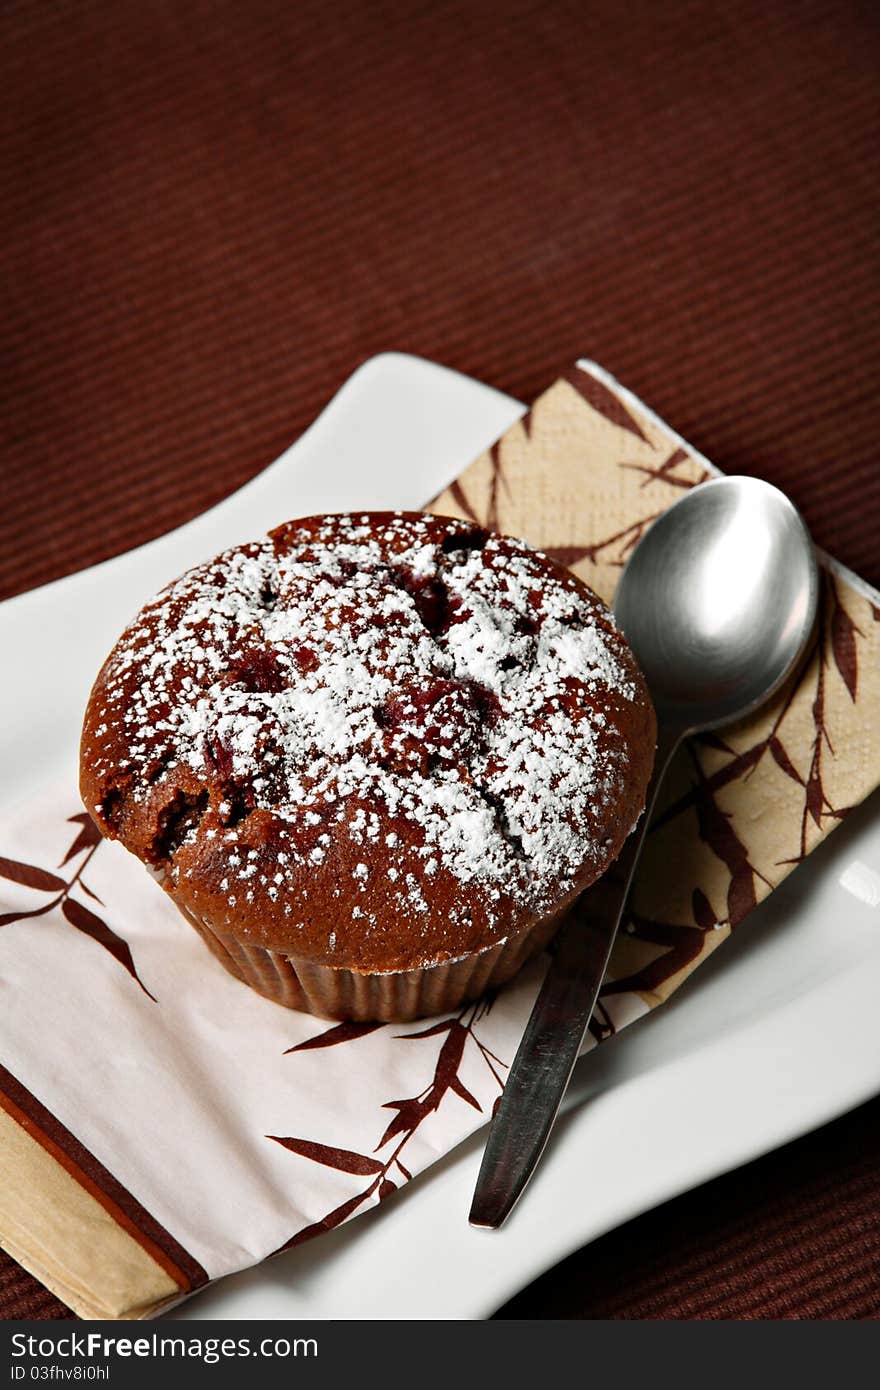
(162, 1125)
(396, 997)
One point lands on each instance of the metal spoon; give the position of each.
(718, 602)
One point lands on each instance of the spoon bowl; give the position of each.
(718, 601)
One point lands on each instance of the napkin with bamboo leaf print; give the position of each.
(161, 1125)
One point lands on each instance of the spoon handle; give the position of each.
(541, 1070)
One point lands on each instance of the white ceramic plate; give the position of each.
(777, 1033)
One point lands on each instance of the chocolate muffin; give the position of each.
(372, 758)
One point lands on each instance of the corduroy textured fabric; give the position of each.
(213, 212)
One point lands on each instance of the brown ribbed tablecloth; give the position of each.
(213, 212)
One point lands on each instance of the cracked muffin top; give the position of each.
(376, 741)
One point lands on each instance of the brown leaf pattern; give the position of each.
(604, 402)
(409, 1114)
(30, 876)
(843, 641)
(86, 842)
(89, 835)
(342, 1159)
(740, 808)
(339, 1033)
